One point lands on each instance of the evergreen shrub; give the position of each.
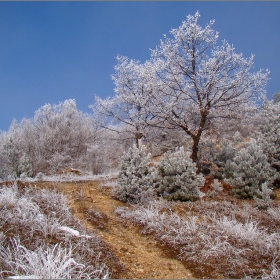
(248, 170)
(269, 135)
(175, 177)
(134, 178)
(225, 152)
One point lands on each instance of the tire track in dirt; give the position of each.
(140, 255)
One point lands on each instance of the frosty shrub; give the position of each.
(237, 137)
(51, 201)
(263, 197)
(275, 272)
(249, 170)
(57, 137)
(32, 213)
(217, 187)
(269, 135)
(134, 177)
(274, 213)
(225, 152)
(176, 178)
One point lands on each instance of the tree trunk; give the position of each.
(196, 139)
(137, 142)
(138, 136)
(194, 155)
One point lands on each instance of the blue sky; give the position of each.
(53, 51)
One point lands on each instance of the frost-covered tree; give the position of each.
(176, 178)
(199, 82)
(130, 104)
(4, 170)
(216, 188)
(58, 136)
(134, 177)
(248, 170)
(63, 135)
(269, 135)
(12, 149)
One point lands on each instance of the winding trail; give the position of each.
(140, 255)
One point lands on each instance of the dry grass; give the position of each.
(40, 237)
(214, 238)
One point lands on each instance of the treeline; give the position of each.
(60, 136)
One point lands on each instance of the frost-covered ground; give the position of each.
(229, 239)
(218, 236)
(40, 238)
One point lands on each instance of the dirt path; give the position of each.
(140, 255)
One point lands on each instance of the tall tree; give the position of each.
(199, 82)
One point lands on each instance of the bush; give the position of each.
(216, 188)
(248, 171)
(263, 197)
(58, 136)
(269, 135)
(134, 177)
(225, 152)
(175, 177)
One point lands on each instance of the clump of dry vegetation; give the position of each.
(215, 239)
(40, 238)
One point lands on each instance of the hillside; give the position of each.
(217, 237)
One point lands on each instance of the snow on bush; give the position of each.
(134, 177)
(274, 213)
(59, 136)
(175, 177)
(225, 152)
(51, 202)
(249, 170)
(263, 197)
(269, 135)
(237, 138)
(217, 187)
